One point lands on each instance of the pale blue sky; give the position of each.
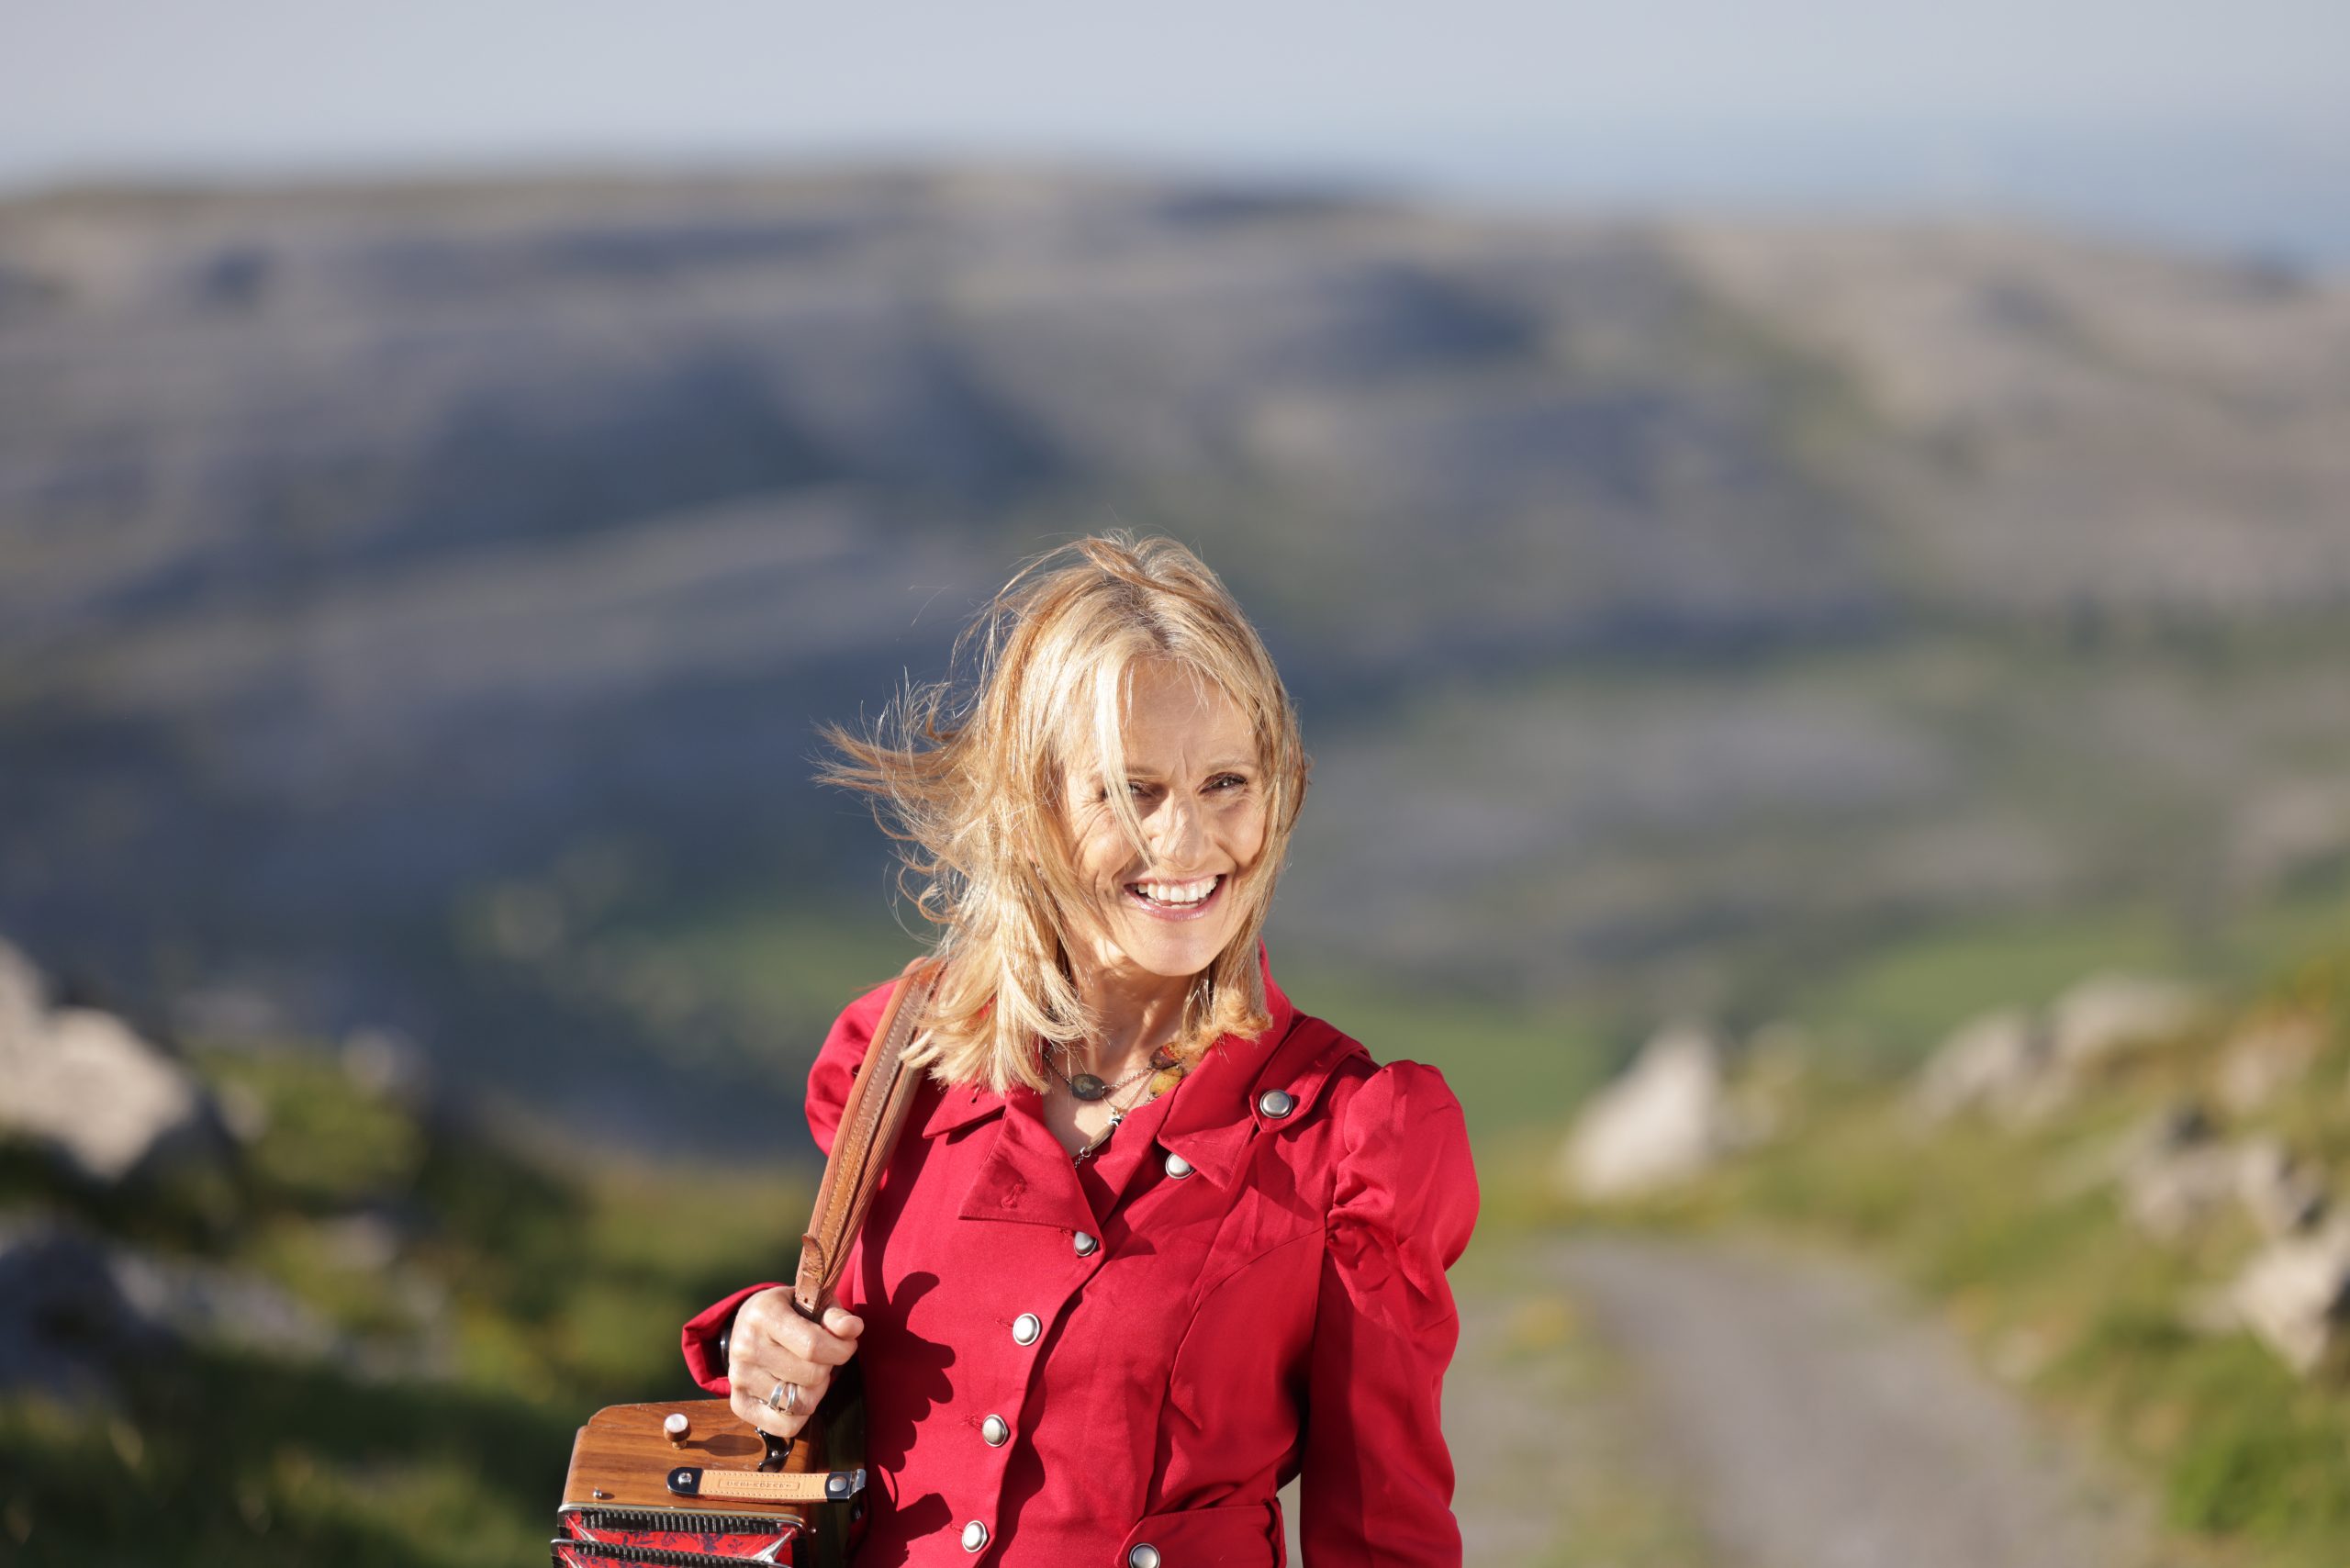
(1706, 99)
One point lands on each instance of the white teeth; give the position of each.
(1177, 893)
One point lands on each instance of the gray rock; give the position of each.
(2169, 1196)
(2293, 1294)
(2180, 1175)
(1661, 1123)
(76, 1312)
(2020, 1067)
(1997, 1062)
(206, 1302)
(84, 1084)
(2108, 1014)
(2281, 1193)
(2265, 1057)
(2174, 1173)
(63, 1318)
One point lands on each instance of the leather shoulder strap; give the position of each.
(870, 1120)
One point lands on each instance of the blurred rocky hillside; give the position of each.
(2129, 1199)
(400, 585)
(297, 1302)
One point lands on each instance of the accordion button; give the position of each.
(1025, 1328)
(996, 1431)
(1178, 1167)
(975, 1536)
(1276, 1102)
(1144, 1555)
(1086, 1246)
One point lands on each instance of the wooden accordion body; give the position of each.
(621, 1502)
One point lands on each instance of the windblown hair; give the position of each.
(967, 774)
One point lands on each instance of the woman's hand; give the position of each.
(769, 1343)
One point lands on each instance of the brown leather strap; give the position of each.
(869, 1131)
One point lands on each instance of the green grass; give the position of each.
(1511, 1069)
(1899, 999)
(327, 1146)
(783, 963)
(1908, 996)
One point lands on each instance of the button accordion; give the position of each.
(689, 1481)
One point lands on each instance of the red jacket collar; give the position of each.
(1207, 1123)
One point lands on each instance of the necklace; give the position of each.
(1117, 1115)
(1165, 1068)
(1085, 1086)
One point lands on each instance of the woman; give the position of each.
(1153, 1241)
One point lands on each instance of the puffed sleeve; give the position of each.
(828, 1085)
(1376, 1484)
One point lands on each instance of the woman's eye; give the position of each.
(1231, 781)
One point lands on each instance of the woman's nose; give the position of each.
(1177, 832)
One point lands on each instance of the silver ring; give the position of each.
(791, 1399)
(770, 1400)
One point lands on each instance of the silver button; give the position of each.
(1144, 1555)
(1178, 1167)
(1085, 1245)
(975, 1536)
(996, 1431)
(1026, 1327)
(1276, 1102)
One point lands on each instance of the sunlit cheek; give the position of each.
(1247, 831)
(1109, 860)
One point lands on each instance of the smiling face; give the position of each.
(1196, 782)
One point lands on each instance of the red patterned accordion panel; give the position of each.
(608, 1538)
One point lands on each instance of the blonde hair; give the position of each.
(967, 774)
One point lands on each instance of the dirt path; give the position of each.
(1641, 1401)
(1818, 1421)
(1551, 1442)
(1556, 1448)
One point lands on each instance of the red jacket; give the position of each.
(1246, 1284)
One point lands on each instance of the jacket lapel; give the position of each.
(1027, 1175)
(1214, 1114)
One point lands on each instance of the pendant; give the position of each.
(1089, 1149)
(1085, 1086)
